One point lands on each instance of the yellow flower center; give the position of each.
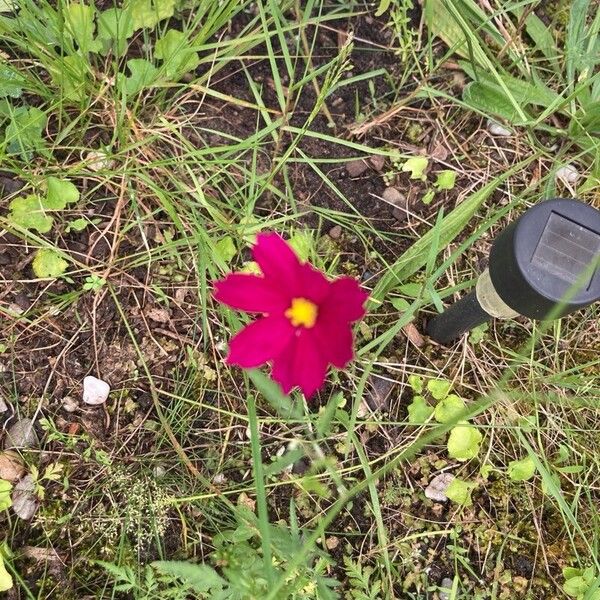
(302, 312)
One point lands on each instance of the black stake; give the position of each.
(544, 264)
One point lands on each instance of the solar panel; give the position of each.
(566, 249)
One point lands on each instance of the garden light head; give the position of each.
(546, 264)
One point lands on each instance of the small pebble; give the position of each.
(393, 196)
(399, 214)
(95, 391)
(3, 405)
(377, 162)
(335, 232)
(159, 471)
(497, 129)
(567, 174)
(69, 404)
(447, 584)
(219, 479)
(21, 435)
(378, 391)
(357, 167)
(24, 500)
(11, 466)
(436, 490)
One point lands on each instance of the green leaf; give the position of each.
(48, 264)
(80, 19)
(11, 82)
(225, 249)
(416, 167)
(302, 243)
(77, 225)
(6, 582)
(416, 383)
(115, 27)
(23, 134)
(449, 408)
(428, 197)
(70, 74)
(446, 180)
(200, 578)
(521, 470)
(463, 442)
(575, 586)
(147, 13)
(478, 333)
(5, 490)
(29, 212)
(490, 100)
(173, 49)
(142, 74)
(459, 491)
(60, 193)
(400, 304)
(439, 388)
(419, 411)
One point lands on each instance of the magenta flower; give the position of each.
(307, 319)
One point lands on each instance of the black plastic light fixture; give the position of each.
(546, 264)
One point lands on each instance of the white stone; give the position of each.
(497, 129)
(95, 391)
(3, 405)
(567, 174)
(447, 585)
(436, 490)
(69, 404)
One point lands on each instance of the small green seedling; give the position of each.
(459, 491)
(49, 264)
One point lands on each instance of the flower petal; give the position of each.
(345, 301)
(260, 341)
(335, 341)
(277, 261)
(314, 285)
(250, 293)
(301, 364)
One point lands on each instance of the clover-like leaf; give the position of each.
(439, 388)
(416, 166)
(446, 180)
(416, 383)
(173, 49)
(464, 441)
(449, 408)
(142, 74)
(419, 411)
(459, 491)
(115, 27)
(6, 582)
(23, 134)
(60, 193)
(80, 21)
(11, 82)
(521, 470)
(147, 13)
(225, 249)
(5, 490)
(49, 264)
(29, 212)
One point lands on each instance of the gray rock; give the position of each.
(377, 162)
(335, 232)
(447, 584)
(394, 197)
(378, 392)
(21, 435)
(357, 167)
(24, 500)
(436, 490)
